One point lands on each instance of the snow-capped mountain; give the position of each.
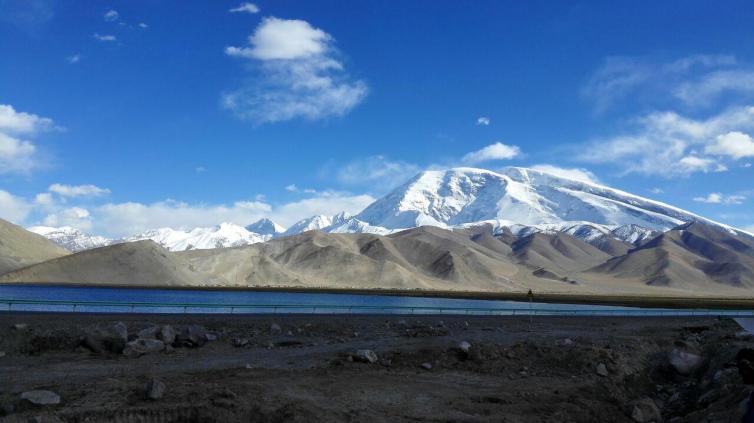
(320, 222)
(518, 196)
(223, 235)
(266, 227)
(70, 238)
(522, 201)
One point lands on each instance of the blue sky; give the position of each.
(118, 116)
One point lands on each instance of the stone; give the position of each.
(684, 362)
(149, 333)
(155, 389)
(192, 336)
(211, 337)
(567, 342)
(275, 328)
(645, 411)
(240, 342)
(602, 370)
(20, 326)
(167, 334)
(426, 366)
(111, 339)
(464, 346)
(143, 346)
(366, 356)
(2, 354)
(41, 397)
(745, 364)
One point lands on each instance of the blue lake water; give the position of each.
(91, 299)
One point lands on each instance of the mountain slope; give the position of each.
(693, 256)
(420, 258)
(515, 196)
(265, 227)
(221, 236)
(70, 238)
(133, 263)
(20, 248)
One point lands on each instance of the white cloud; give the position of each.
(483, 121)
(73, 59)
(143, 25)
(16, 156)
(76, 217)
(644, 80)
(200, 169)
(78, 190)
(578, 174)
(710, 86)
(121, 219)
(44, 199)
(245, 8)
(669, 144)
(111, 16)
(377, 171)
(104, 38)
(719, 198)
(657, 190)
(19, 155)
(13, 122)
(496, 151)
(327, 203)
(734, 144)
(299, 75)
(12, 208)
(291, 188)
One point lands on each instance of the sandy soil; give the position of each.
(516, 370)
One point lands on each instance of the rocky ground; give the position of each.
(144, 368)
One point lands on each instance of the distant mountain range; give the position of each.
(521, 201)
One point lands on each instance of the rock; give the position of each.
(192, 336)
(275, 328)
(464, 346)
(240, 342)
(745, 364)
(365, 356)
(684, 362)
(167, 334)
(567, 342)
(402, 323)
(426, 366)
(143, 346)
(111, 339)
(211, 337)
(20, 326)
(602, 370)
(2, 354)
(249, 366)
(149, 333)
(41, 397)
(155, 389)
(645, 411)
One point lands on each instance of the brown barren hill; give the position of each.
(141, 263)
(20, 248)
(693, 256)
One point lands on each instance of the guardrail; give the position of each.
(203, 308)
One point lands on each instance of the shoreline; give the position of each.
(561, 298)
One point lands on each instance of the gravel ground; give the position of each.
(308, 368)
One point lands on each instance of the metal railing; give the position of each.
(201, 308)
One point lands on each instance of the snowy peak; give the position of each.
(70, 238)
(318, 222)
(221, 236)
(266, 227)
(515, 196)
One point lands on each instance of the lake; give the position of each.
(134, 300)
